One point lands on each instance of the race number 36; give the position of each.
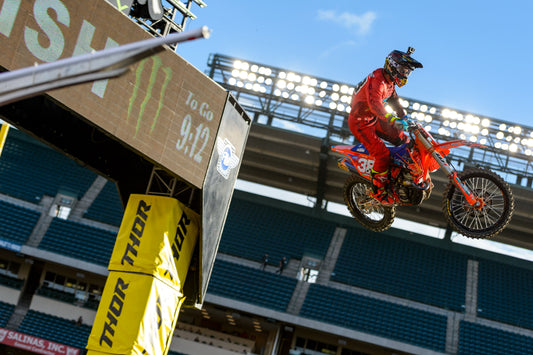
(365, 165)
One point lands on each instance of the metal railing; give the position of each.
(161, 17)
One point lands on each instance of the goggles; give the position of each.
(403, 70)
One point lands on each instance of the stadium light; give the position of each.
(322, 103)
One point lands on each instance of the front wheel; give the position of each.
(491, 216)
(365, 209)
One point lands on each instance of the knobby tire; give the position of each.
(376, 218)
(487, 221)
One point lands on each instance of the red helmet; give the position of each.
(399, 65)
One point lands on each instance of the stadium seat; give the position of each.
(107, 207)
(80, 241)
(505, 293)
(6, 310)
(480, 339)
(251, 285)
(17, 222)
(252, 229)
(54, 328)
(367, 314)
(402, 268)
(39, 169)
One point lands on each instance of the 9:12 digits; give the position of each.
(188, 142)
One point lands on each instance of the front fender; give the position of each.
(446, 146)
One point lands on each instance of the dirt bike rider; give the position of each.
(370, 122)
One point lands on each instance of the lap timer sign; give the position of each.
(193, 131)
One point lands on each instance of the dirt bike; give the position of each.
(477, 202)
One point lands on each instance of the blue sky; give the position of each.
(477, 55)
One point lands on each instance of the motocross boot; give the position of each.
(379, 191)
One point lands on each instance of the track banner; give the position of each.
(4, 128)
(157, 237)
(137, 315)
(144, 290)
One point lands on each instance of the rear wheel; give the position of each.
(365, 209)
(491, 216)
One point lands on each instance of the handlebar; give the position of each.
(410, 121)
(413, 125)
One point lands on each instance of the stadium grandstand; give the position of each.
(342, 290)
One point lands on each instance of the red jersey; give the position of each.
(369, 96)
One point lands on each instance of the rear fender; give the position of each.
(361, 162)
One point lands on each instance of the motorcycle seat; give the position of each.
(359, 148)
(398, 149)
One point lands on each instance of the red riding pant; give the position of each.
(370, 134)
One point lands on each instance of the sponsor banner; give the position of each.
(137, 315)
(164, 108)
(35, 344)
(157, 237)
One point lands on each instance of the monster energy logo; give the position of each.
(156, 64)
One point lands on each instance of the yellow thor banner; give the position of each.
(137, 315)
(157, 237)
(4, 128)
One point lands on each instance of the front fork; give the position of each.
(450, 171)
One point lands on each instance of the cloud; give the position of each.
(360, 23)
(335, 48)
(290, 126)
